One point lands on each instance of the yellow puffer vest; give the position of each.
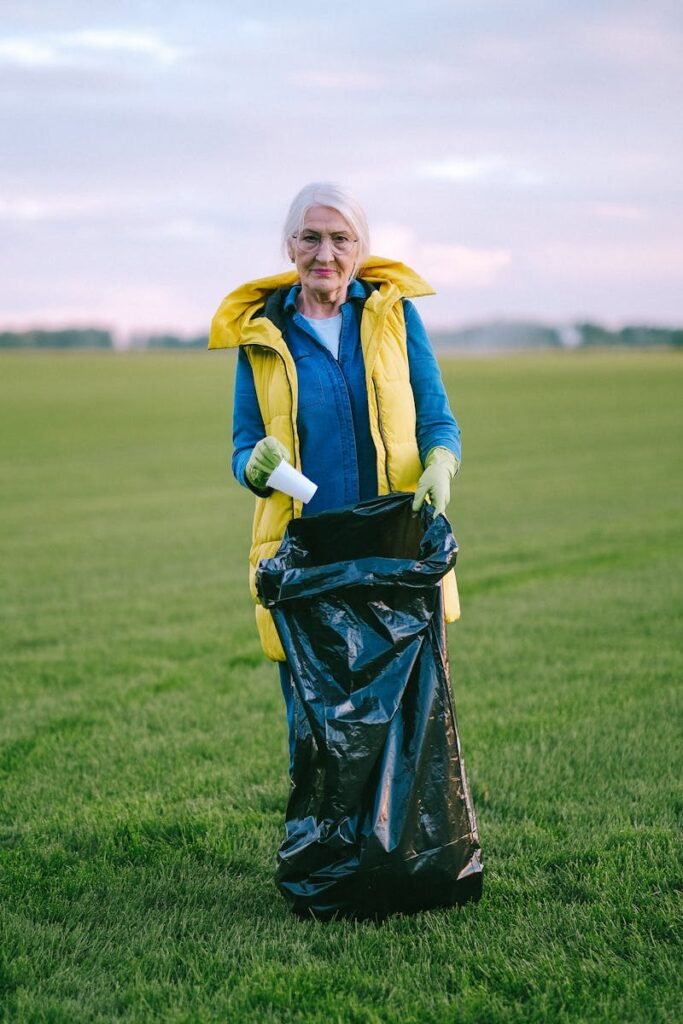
(390, 401)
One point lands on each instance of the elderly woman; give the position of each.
(335, 374)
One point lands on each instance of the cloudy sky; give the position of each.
(523, 155)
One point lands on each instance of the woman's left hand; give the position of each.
(441, 466)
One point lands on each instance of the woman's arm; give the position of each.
(247, 422)
(436, 424)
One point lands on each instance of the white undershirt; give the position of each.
(327, 331)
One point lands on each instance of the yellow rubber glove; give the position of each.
(441, 466)
(265, 457)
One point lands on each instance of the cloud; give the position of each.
(122, 307)
(68, 49)
(31, 209)
(457, 266)
(182, 229)
(479, 169)
(147, 44)
(336, 79)
(452, 266)
(632, 39)
(620, 212)
(611, 261)
(27, 53)
(154, 213)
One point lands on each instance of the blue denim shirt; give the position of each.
(337, 450)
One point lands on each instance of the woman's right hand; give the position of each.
(265, 457)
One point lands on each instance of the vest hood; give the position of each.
(239, 307)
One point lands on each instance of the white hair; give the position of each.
(325, 193)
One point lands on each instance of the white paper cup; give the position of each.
(290, 481)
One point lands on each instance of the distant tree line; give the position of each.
(88, 337)
(172, 341)
(517, 334)
(594, 334)
(494, 335)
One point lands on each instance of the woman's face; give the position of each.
(324, 270)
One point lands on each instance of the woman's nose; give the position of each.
(325, 250)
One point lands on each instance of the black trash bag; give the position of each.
(380, 818)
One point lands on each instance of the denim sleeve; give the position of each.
(436, 424)
(247, 422)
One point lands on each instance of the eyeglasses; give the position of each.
(310, 241)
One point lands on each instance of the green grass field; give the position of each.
(143, 749)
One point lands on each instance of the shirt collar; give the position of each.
(354, 291)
